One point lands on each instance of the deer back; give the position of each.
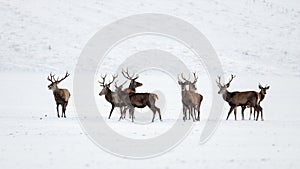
(242, 98)
(61, 95)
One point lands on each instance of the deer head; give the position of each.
(182, 84)
(223, 88)
(105, 90)
(263, 90)
(55, 82)
(192, 85)
(133, 83)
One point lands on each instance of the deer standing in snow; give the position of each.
(236, 99)
(61, 96)
(190, 99)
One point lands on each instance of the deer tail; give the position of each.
(155, 96)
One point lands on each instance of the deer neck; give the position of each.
(262, 96)
(226, 96)
(131, 87)
(55, 89)
(108, 95)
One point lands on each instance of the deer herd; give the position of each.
(129, 99)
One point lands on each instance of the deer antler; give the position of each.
(195, 78)
(51, 78)
(185, 78)
(103, 80)
(232, 77)
(219, 81)
(114, 78)
(127, 76)
(121, 86)
(66, 75)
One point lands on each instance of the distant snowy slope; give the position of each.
(251, 36)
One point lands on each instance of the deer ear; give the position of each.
(227, 85)
(268, 87)
(260, 87)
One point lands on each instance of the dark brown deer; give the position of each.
(131, 89)
(261, 95)
(141, 100)
(61, 96)
(192, 99)
(110, 96)
(236, 99)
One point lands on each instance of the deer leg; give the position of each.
(64, 107)
(57, 110)
(195, 115)
(184, 112)
(112, 109)
(261, 115)
(251, 113)
(260, 110)
(198, 113)
(243, 115)
(230, 110)
(257, 113)
(235, 113)
(154, 112)
(131, 111)
(191, 112)
(158, 110)
(121, 116)
(124, 112)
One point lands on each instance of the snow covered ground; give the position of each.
(257, 40)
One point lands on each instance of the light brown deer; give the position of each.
(123, 95)
(61, 96)
(184, 100)
(236, 99)
(110, 96)
(141, 100)
(190, 99)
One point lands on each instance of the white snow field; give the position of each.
(257, 40)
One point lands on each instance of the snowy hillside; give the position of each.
(257, 40)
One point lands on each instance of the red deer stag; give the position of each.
(141, 100)
(191, 98)
(131, 89)
(61, 96)
(185, 101)
(236, 99)
(110, 96)
(123, 96)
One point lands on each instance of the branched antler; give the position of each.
(195, 78)
(114, 78)
(127, 75)
(186, 80)
(103, 80)
(232, 77)
(52, 79)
